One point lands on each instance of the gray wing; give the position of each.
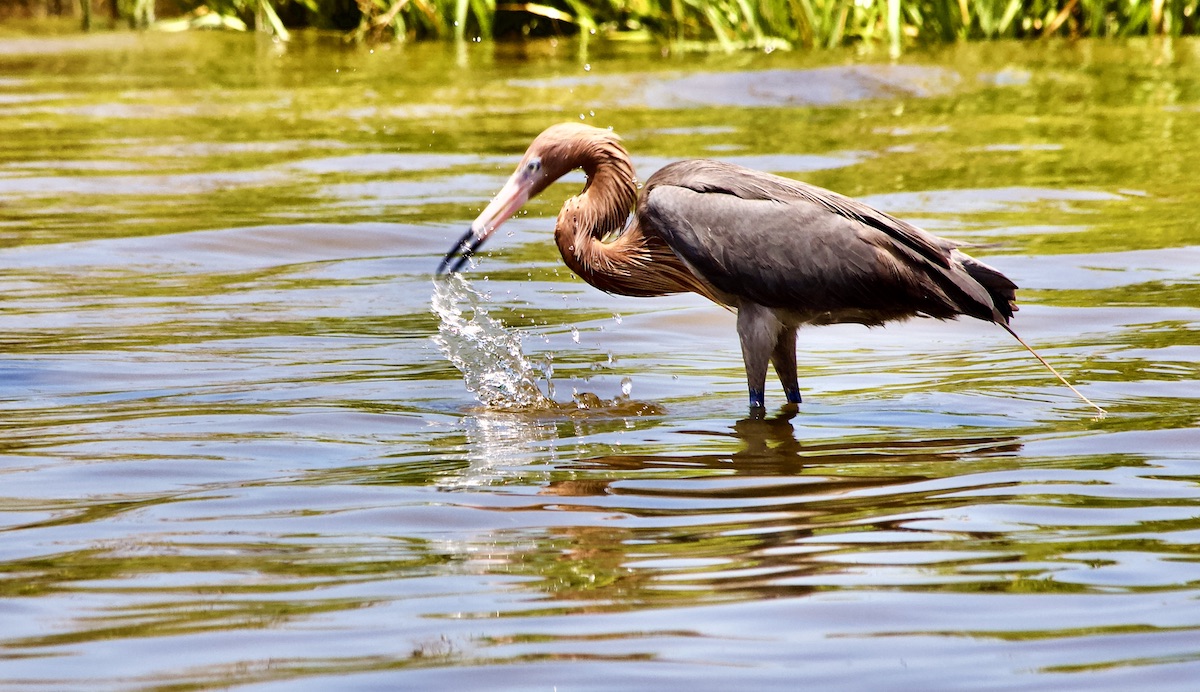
(786, 244)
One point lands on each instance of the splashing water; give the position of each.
(488, 355)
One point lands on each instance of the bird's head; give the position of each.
(554, 153)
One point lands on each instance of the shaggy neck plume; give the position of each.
(595, 241)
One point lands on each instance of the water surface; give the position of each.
(234, 456)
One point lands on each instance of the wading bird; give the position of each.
(779, 252)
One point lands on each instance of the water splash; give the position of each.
(488, 355)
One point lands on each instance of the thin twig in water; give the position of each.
(1050, 367)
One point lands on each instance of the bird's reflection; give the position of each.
(763, 434)
(513, 445)
(769, 446)
(753, 512)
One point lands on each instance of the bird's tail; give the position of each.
(1000, 288)
(1050, 367)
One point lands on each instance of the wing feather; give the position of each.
(786, 244)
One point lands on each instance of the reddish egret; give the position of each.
(779, 252)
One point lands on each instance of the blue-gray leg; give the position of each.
(758, 330)
(783, 357)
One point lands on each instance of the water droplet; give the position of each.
(575, 334)
(587, 67)
(592, 113)
(626, 386)
(617, 318)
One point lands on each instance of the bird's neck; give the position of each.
(597, 244)
(590, 231)
(604, 205)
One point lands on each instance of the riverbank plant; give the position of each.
(727, 24)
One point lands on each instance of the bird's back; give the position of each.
(823, 257)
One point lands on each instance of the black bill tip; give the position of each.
(460, 254)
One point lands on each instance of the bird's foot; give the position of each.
(793, 396)
(758, 405)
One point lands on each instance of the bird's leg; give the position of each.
(758, 330)
(784, 360)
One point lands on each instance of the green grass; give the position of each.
(725, 24)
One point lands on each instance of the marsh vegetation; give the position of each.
(688, 24)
